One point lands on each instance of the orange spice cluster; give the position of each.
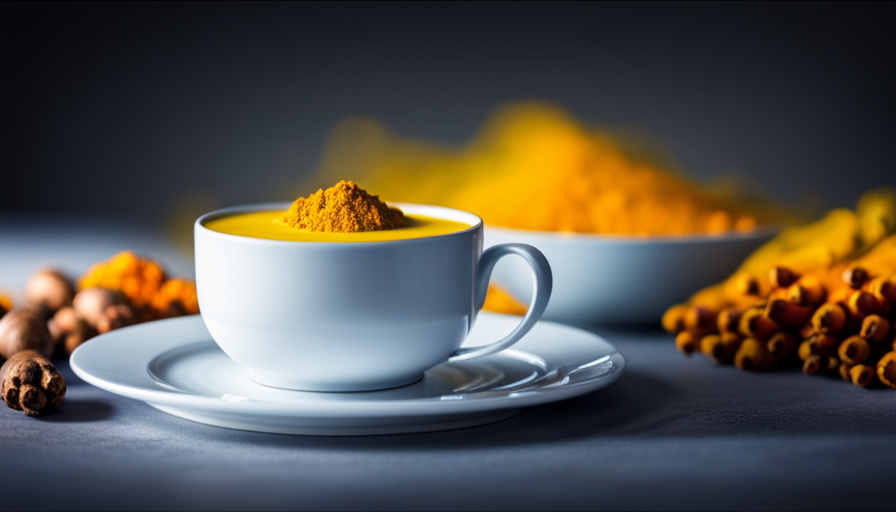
(5, 303)
(56, 318)
(342, 208)
(532, 166)
(823, 295)
(145, 284)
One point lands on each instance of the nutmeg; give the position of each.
(24, 328)
(74, 338)
(66, 319)
(91, 303)
(69, 331)
(49, 288)
(115, 316)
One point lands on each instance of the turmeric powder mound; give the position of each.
(342, 208)
(138, 278)
(144, 283)
(532, 166)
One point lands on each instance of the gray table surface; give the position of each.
(671, 433)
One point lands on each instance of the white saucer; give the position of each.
(175, 366)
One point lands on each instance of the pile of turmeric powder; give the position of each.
(823, 294)
(138, 278)
(342, 208)
(144, 283)
(532, 166)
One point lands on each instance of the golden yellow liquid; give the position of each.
(267, 225)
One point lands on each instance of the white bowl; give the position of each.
(621, 280)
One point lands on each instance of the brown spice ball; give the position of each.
(73, 339)
(30, 383)
(115, 316)
(24, 328)
(49, 288)
(91, 303)
(56, 333)
(66, 319)
(69, 331)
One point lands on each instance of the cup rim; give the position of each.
(446, 213)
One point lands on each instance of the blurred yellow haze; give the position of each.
(532, 166)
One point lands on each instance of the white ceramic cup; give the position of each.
(321, 316)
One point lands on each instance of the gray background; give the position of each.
(140, 110)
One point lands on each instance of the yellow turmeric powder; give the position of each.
(342, 208)
(534, 167)
(5, 304)
(815, 247)
(145, 284)
(138, 278)
(499, 301)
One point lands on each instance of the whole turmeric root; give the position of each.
(29, 382)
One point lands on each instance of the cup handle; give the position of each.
(543, 281)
